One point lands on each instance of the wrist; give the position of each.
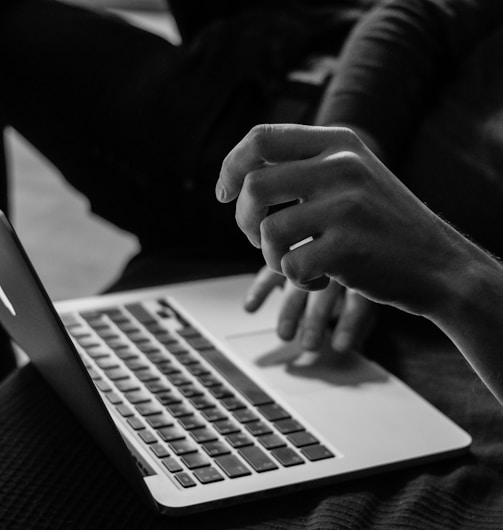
(472, 289)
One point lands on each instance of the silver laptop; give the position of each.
(200, 405)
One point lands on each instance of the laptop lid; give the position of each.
(29, 317)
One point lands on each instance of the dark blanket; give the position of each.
(53, 476)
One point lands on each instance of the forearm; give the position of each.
(396, 60)
(469, 311)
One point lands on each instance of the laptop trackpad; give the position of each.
(292, 371)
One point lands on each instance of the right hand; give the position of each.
(310, 315)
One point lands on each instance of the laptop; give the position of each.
(200, 405)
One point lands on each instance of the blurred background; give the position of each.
(75, 253)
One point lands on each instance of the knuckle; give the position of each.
(259, 136)
(253, 185)
(269, 229)
(293, 271)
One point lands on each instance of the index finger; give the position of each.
(272, 144)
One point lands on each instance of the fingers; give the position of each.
(304, 266)
(285, 229)
(291, 312)
(266, 187)
(263, 283)
(317, 316)
(273, 144)
(355, 322)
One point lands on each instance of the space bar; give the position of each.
(250, 390)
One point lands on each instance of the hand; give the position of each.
(311, 314)
(367, 230)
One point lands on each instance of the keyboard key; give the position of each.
(245, 416)
(147, 436)
(239, 380)
(166, 339)
(136, 364)
(220, 391)
(126, 354)
(88, 341)
(157, 357)
(146, 375)
(174, 347)
(93, 374)
(316, 452)
(124, 411)
(147, 409)
(190, 391)
(271, 441)
(209, 380)
(197, 369)
(138, 396)
(232, 466)
(185, 480)
(213, 414)
(188, 331)
(187, 358)
(140, 313)
(216, 448)
(178, 379)
(106, 363)
(138, 337)
(114, 398)
(288, 426)
(170, 434)
(171, 464)
(116, 344)
(159, 450)
(258, 428)
(168, 398)
(199, 343)
(287, 457)
(191, 422)
(195, 460)
(148, 347)
(257, 459)
(136, 423)
(202, 402)
(167, 368)
(103, 386)
(157, 386)
(159, 420)
(115, 374)
(183, 447)
(232, 403)
(128, 385)
(300, 439)
(203, 435)
(207, 475)
(239, 439)
(226, 427)
(273, 412)
(155, 327)
(98, 352)
(177, 410)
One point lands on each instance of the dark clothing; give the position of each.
(141, 126)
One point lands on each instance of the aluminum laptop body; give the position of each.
(235, 414)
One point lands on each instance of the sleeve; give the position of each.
(395, 60)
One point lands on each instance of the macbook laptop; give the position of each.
(200, 405)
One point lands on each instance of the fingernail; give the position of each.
(341, 343)
(286, 329)
(250, 302)
(310, 340)
(220, 191)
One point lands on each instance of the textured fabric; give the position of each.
(53, 476)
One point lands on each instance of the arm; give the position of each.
(370, 233)
(396, 61)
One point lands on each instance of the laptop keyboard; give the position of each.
(198, 413)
